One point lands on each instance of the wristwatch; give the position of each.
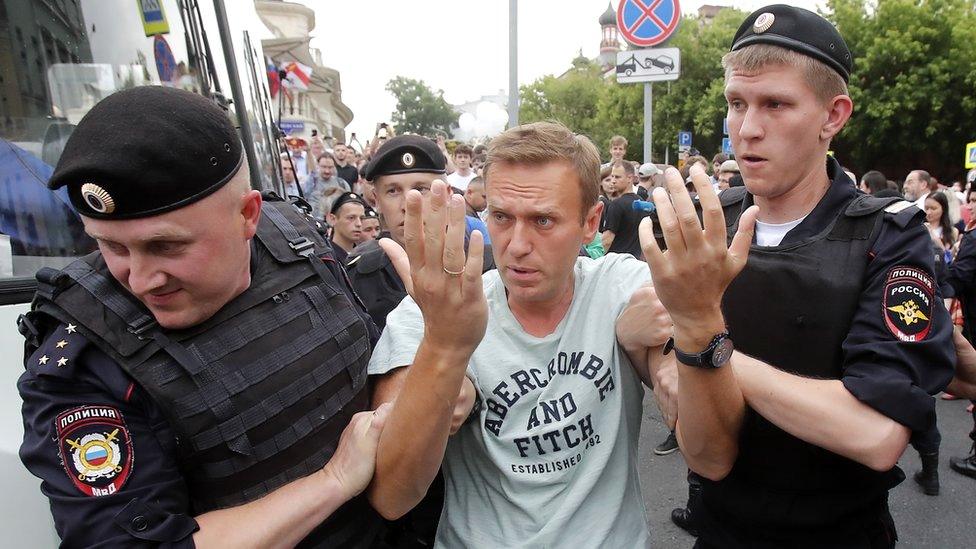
(716, 354)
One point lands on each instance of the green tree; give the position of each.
(419, 109)
(600, 108)
(570, 99)
(912, 85)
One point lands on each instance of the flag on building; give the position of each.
(274, 81)
(297, 76)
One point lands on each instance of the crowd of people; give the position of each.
(420, 346)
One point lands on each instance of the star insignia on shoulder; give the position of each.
(43, 360)
(62, 362)
(71, 328)
(61, 344)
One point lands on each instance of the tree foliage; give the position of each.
(600, 108)
(571, 99)
(420, 109)
(913, 84)
(913, 88)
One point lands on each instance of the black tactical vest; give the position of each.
(792, 306)
(259, 393)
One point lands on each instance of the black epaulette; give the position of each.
(366, 258)
(904, 214)
(732, 196)
(59, 353)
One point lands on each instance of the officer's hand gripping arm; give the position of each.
(642, 329)
(284, 517)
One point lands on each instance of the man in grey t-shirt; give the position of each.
(522, 365)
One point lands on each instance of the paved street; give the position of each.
(945, 521)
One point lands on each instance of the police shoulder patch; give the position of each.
(96, 448)
(907, 305)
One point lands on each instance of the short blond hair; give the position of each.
(618, 140)
(825, 82)
(542, 142)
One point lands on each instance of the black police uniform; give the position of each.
(961, 277)
(849, 294)
(134, 429)
(375, 280)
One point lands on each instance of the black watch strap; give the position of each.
(715, 355)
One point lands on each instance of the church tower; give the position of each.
(610, 44)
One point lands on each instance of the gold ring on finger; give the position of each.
(454, 273)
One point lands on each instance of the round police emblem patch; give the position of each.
(908, 303)
(98, 198)
(96, 449)
(408, 160)
(763, 22)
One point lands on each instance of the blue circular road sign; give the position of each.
(647, 22)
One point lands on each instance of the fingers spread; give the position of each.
(684, 208)
(668, 220)
(712, 217)
(472, 268)
(652, 253)
(454, 245)
(435, 222)
(413, 228)
(739, 250)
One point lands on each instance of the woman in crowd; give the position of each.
(939, 224)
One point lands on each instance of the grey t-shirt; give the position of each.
(551, 460)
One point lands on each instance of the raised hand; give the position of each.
(692, 275)
(446, 285)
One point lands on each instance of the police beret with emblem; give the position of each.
(406, 154)
(146, 151)
(370, 212)
(344, 199)
(799, 30)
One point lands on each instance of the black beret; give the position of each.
(145, 151)
(344, 199)
(370, 212)
(406, 154)
(799, 30)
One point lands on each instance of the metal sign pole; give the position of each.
(513, 89)
(648, 113)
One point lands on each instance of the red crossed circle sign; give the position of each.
(647, 22)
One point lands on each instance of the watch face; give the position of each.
(723, 352)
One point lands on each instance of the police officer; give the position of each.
(371, 225)
(346, 218)
(808, 356)
(188, 383)
(403, 163)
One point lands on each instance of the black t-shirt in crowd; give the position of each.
(603, 216)
(642, 193)
(623, 221)
(349, 173)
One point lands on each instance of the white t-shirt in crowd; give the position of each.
(460, 182)
(771, 234)
(550, 460)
